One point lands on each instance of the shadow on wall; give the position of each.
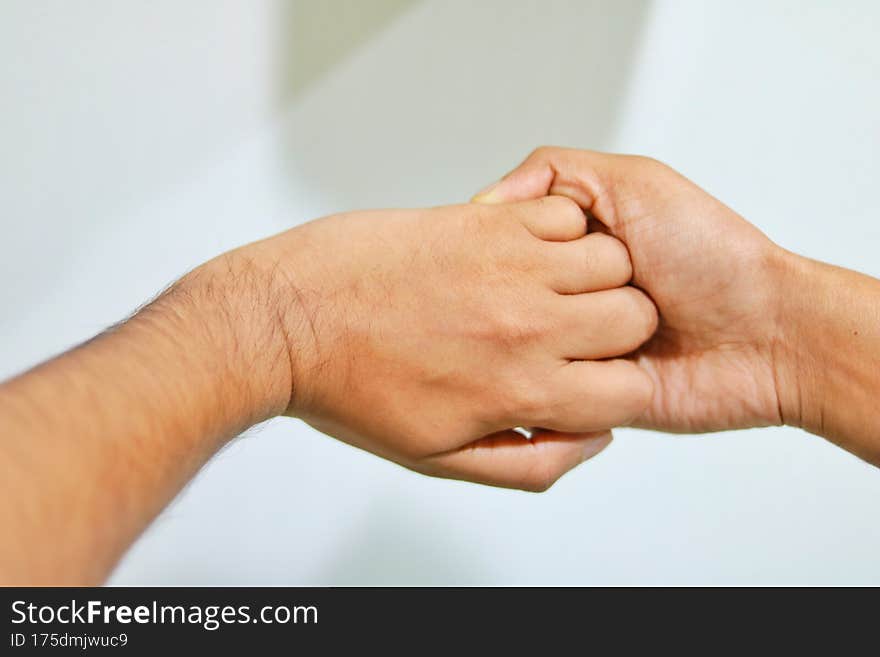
(449, 95)
(316, 35)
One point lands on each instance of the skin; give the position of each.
(423, 336)
(750, 334)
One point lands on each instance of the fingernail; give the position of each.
(595, 445)
(485, 195)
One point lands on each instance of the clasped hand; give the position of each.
(426, 336)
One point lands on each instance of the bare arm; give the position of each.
(423, 336)
(829, 359)
(96, 442)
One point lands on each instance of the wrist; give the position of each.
(229, 305)
(800, 297)
(829, 332)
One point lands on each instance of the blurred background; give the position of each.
(140, 138)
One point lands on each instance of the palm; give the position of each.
(707, 269)
(701, 264)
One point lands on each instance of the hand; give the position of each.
(715, 278)
(424, 336)
(420, 335)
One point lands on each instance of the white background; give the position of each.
(140, 138)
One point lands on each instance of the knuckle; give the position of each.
(647, 164)
(530, 402)
(484, 219)
(544, 152)
(515, 399)
(620, 308)
(616, 255)
(641, 313)
(615, 246)
(562, 205)
(650, 316)
(509, 401)
(512, 329)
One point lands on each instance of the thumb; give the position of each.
(530, 180)
(582, 176)
(509, 460)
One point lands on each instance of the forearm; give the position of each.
(94, 443)
(384, 328)
(830, 346)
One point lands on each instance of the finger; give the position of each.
(553, 218)
(589, 264)
(603, 324)
(584, 396)
(583, 176)
(532, 178)
(510, 460)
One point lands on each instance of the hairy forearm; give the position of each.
(830, 346)
(385, 329)
(95, 442)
